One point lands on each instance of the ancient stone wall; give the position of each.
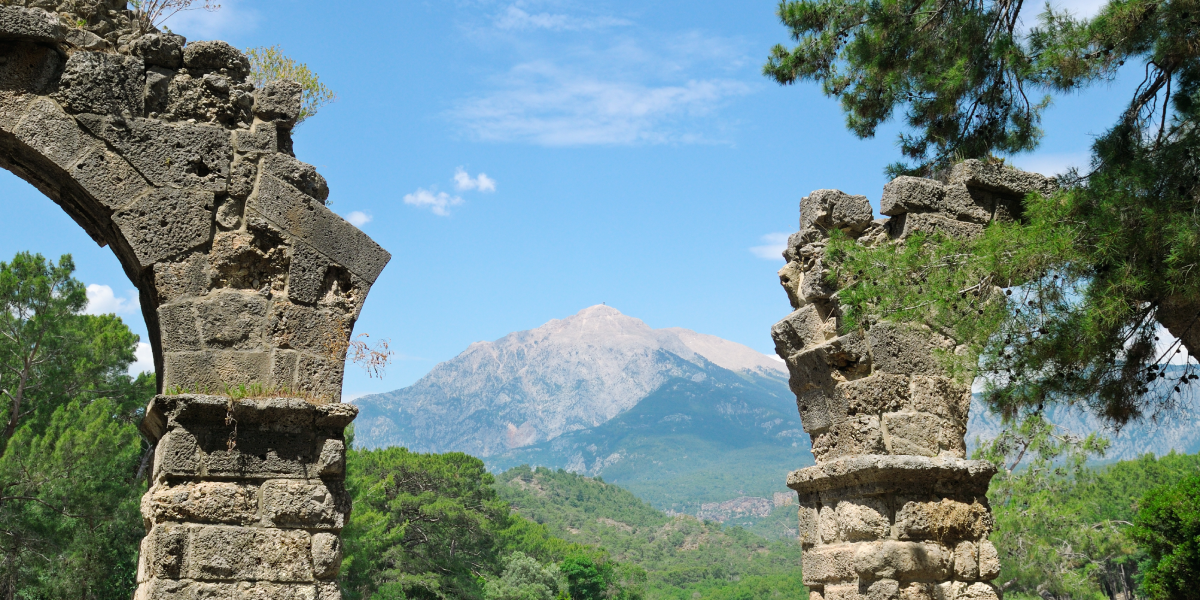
(167, 153)
(892, 509)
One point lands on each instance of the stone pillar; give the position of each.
(892, 509)
(247, 499)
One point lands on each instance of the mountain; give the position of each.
(532, 386)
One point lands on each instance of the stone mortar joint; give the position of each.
(166, 152)
(892, 510)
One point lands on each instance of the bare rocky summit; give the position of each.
(533, 386)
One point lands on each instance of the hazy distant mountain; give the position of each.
(532, 386)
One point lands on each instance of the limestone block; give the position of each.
(254, 261)
(179, 155)
(834, 209)
(916, 590)
(212, 370)
(999, 178)
(809, 529)
(944, 519)
(846, 591)
(813, 285)
(52, 133)
(204, 502)
(335, 416)
(171, 589)
(859, 434)
(930, 223)
(904, 349)
(906, 194)
(283, 368)
(329, 590)
(326, 555)
(208, 98)
(825, 564)
(30, 24)
(109, 178)
(978, 591)
(209, 56)
(822, 366)
(160, 49)
(307, 328)
(804, 328)
(301, 176)
(863, 519)
(222, 553)
(314, 224)
(790, 277)
(279, 101)
(259, 454)
(319, 375)
(177, 322)
(332, 461)
(969, 204)
(166, 222)
(100, 83)
(293, 503)
(816, 594)
(182, 278)
(29, 69)
(948, 590)
(816, 415)
(167, 548)
(85, 40)
(158, 89)
(261, 590)
(989, 561)
(242, 175)
(261, 138)
(229, 214)
(912, 433)
(941, 396)
(966, 562)
(829, 527)
(233, 319)
(884, 589)
(306, 274)
(891, 559)
(177, 454)
(877, 394)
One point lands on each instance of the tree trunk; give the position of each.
(1181, 317)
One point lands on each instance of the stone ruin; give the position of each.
(892, 509)
(165, 152)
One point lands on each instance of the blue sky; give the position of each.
(523, 160)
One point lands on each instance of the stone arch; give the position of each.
(164, 152)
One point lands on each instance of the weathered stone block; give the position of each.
(978, 591)
(30, 24)
(167, 548)
(166, 222)
(233, 319)
(834, 209)
(904, 349)
(328, 590)
(317, 226)
(259, 139)
(813, 285)
(804, 328)
(319, 375)
(242, 176)
(261, 590)
(204, 502)
(100, 83)
(902, 560)
(944, 519)
(52, 133)
(845, 591)
(941, 396)
(810, 526)
(828, 564)
(158, 89)
(966, 562)
(332, 461)
(307, 328)
(884, 589)
(968, 204)
(999, 178)
(279, 101)
(28, 70)
(208, 98)
(859, 434)
(109, 178)
(213, 370)
(216, 56)
(222, 553)
(327, 555)
(176, 455)
(828, 522)
(259, 455)
(790, 277)
(877, 394)
(181, 278)
(182, 155)
(815, 413)
(989, 561)
(930, 223)
(911, 194)
(303, 504)
(335, 416)
(178, 325)
(283, 368)
(299, 175)
(160, 49)
(863, 519)
(916, 590)
(912, 433)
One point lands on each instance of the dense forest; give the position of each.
(73, 468)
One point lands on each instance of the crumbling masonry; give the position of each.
(892, 509)
(165, 152)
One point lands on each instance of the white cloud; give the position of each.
(103, 301)
(515, 18)
(145, 360)
(437, 202)
(545, 104)
(358, 218)
(464, 182)
(773, 248)
(229, 20)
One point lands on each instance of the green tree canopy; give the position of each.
(1092, 271)
(1168, 526)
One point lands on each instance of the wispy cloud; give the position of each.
(773, 247)
(516, 18)
(358, 218)
(438, 203)
(103, 301)
(464, 182)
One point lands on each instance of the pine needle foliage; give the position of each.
(1090, 273)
